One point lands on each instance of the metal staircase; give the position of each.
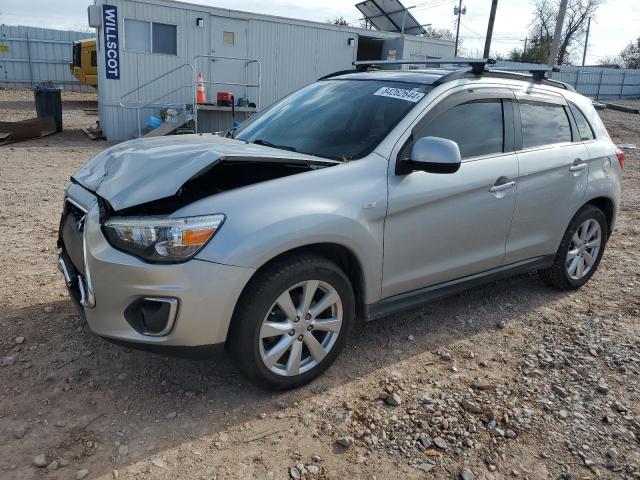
(187, 116)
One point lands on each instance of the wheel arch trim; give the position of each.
(343, 256)
(608, 207)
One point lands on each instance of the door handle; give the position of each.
(502, 186)
(578, 164)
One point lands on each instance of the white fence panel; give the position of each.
(29, 55)
(596, 82)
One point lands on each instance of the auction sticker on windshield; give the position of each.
(400, 93)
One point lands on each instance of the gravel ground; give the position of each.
(79, 110)
(510, 380)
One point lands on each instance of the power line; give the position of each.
(509, 42)
(432, 3)
(440, 3)
(472, 31)
(498, 35)
(596, 56)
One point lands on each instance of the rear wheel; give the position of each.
(292, 321)
(580, 250)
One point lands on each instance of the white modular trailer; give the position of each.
(149, 51)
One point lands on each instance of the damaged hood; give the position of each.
(144, 170)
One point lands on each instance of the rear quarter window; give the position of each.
(584, 127)
(544, 124)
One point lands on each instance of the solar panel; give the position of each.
(390, 16)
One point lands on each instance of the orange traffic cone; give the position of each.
(201, 97)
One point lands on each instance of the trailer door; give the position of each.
(229, 39)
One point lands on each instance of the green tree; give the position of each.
(609, 61)
(536, 52)
(441, 33)
(575, 24)
(339, 21)
(630, 55)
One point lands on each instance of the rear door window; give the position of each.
(477, 127)
(544, 124)
(584, 128)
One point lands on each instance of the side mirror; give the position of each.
(433, 155)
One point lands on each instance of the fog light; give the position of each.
(152, 316)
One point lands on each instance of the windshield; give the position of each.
(336, 119)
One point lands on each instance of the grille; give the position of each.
(72, 226)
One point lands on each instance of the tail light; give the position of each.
(620, 155)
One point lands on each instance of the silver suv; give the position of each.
(359, 195)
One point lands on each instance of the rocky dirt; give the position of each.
(510, 380)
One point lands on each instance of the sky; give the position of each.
(609, 34)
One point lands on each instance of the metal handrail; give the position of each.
(221, 57)
(254, 85)
(146, 104)
(139, 87)
(140, 106)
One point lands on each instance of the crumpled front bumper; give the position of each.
(206, 292)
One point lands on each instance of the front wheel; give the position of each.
(292, 321)
(580, 251)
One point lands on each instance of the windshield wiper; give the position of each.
(273, 145)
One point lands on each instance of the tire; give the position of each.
(560, 275)
(259, 314)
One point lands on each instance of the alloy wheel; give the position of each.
(583, 249)
(300, 328)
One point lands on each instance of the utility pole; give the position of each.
(458, 11)
(555, 43)
(492, 19)
(526, 40)
(404, 20)
(586, 42)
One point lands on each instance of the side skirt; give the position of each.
(411, 299)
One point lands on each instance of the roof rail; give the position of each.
(335, 74)
(537, 75)
(477, 64)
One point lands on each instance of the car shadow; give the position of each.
(73, 389)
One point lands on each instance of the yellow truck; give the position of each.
(85, 62)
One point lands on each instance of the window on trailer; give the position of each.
(228, 38)
(164, 39)
(150, 37)
(137, 35)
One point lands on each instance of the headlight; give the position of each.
(162, 239)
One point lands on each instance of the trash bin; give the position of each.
(49, 102)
